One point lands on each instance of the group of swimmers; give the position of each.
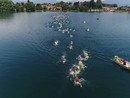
(59, 24)
(76, 69)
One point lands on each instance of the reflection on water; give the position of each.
(6, 15)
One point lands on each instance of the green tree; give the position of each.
(83, 8)
(44, 8)
(64, 5)
(70, 3)
(28, 1)
(85, 3)
(6, 6)
(115, 5)
(18, 7)
(30, 6)
(99, 4)
(23, 6)
(60, 3)
(92, 4)
(76, 3)
(38, 7)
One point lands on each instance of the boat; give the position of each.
(123, 63)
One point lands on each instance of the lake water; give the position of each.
(28, 67)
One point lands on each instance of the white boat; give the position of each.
(120, 62)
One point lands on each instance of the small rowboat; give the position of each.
(120, 62)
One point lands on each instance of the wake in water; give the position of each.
(56, 42)
(59, 24)
(76, 70)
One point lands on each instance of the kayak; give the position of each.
(120, 62)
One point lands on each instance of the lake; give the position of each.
(28, 58)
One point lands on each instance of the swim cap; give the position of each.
(70, 70)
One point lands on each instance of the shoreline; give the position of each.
(68, 11)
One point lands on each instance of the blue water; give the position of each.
(28, 67)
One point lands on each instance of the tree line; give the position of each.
(9, 6)
(83, 6)
(80, 6)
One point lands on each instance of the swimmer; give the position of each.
(77, 81)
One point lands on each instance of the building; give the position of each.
(51, 7)
(109, 9)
